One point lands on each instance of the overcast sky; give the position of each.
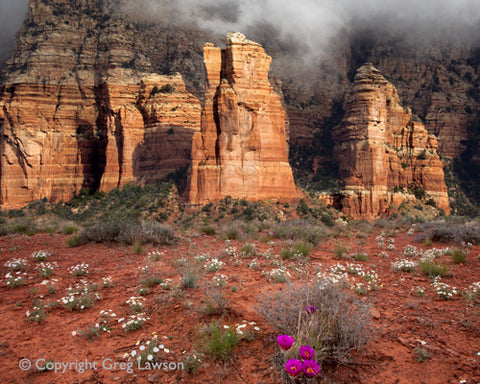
(311, 22)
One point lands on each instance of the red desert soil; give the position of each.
(447, 330)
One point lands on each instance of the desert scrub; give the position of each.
(218, 341)
(208, 230)
(189, 271)
(215, 302)
(193, 361)
(248, 250)
(459, 256)
(340, 250)
(325, 316)
(431, 269)
(449, 232)
(298, 250)
(128, 233)
(300, 230)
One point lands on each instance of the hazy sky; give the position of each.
(12, 13)
(311, 22)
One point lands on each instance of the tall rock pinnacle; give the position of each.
(382, 152)
(241, 150)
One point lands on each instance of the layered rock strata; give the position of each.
(241, 150)
(73, 115)
(382, 153)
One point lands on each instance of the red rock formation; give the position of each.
(381, 151)
(241, 150)
(75, 114)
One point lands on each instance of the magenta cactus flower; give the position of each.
(310, 368)
(306, 352)
(294, 367)
(311, 309)
(285, 342)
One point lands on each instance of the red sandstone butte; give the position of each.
(382, 152)
(242, 148)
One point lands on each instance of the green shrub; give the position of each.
(431, 269)
(218, 342)
(208, 230)
(459, 256)
(297, 250)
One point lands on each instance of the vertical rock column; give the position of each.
(241, 150)
(381, 150)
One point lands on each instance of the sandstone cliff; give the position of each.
(73, 116)
(382, 152)
(241, 150)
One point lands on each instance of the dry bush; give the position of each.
(339, 327)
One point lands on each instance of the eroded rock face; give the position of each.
(381, 152)
(74, 115)
(241, 150)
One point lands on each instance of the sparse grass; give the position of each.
(298, 250)
(248, 250)
(218, 342)
(431, 269)
(459, 256)
(216, 303)
(340, 250)
(137, 247)
(421, 353)
(360, 256)
(300, 230)
(189, 272)
(208, 230)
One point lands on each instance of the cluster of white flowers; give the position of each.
(80, 297)
(166, 284)
(37, 314)
(107, 282)
(268, 254)
(419, 291)
(147, 351)
(443, 290)
(136, 303)
(16, 264)
(202, 257)
(133, 322)
(16, 279)
(40, 255)
(46, 269)
(411, 251)
(105, 317)
(411, 231)
(79, 269)
(279, 275)
(253, 264)
(403, 265)
(213, 265)
(219, 280)
(231, 251)
(155, 255)
(244, 328)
